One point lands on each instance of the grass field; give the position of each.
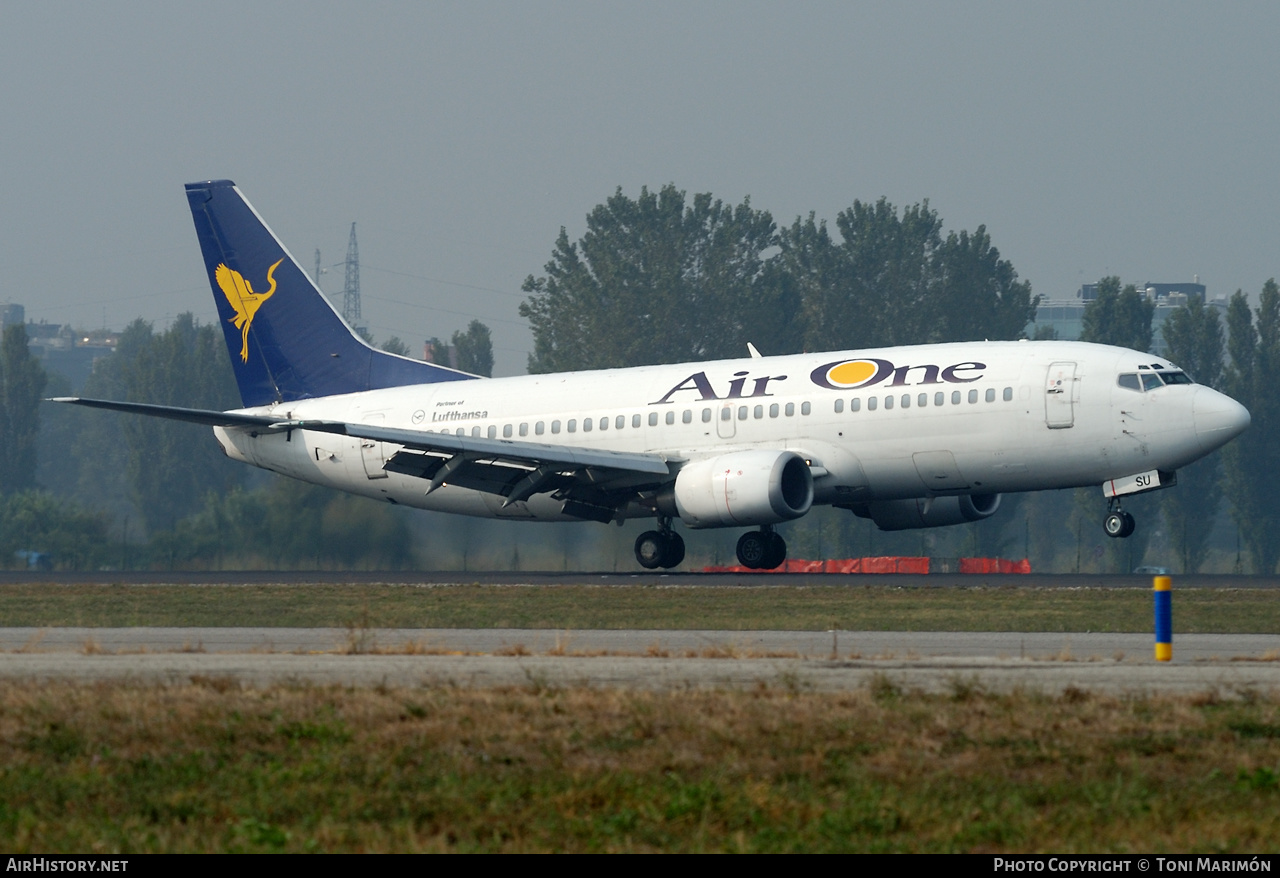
(208, 766)
(793, 608)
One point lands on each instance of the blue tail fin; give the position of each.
(286, 341)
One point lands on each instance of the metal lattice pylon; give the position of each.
(351, 291)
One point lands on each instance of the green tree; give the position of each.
(894, 279)
(74, 537)
(979, 295)
(164, 467)
(474, 349)
(287, 525)
(657, 279)
(1193, 335)
(1120, 317)
(873, 288)
(22, 381)
(394, 345)
(1252, 461)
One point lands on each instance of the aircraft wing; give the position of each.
(596, 480)
(593, 481)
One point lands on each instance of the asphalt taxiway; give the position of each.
(1228, 665)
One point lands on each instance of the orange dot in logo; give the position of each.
(851, 373)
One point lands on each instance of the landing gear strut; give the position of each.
(1118, 524)
(761, 549)
(659, 548)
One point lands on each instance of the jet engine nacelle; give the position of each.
(743, 488)
(930, 512)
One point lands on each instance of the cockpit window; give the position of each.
(1150, 380)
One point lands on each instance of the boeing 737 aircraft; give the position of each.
(909, 437)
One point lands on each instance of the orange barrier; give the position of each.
(885, 564)
(994, 565)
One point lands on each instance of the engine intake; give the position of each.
(932, 512)
(742, 488)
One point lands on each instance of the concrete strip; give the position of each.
(1132, 647)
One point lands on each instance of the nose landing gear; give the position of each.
(659, 548)
(761, 549)
(1118, 524)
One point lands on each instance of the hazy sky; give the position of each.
(1138, 139)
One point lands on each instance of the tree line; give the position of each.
(655, 279)
(662, 279)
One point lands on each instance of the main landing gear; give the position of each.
(1118, 524)
(659, 548)
(761, 549)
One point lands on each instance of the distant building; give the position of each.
(59, 348)
(436, 351)
(1065, 317)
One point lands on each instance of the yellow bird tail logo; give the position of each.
(243, 299)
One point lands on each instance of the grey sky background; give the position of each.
(1137, 139)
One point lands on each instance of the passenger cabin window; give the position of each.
(635, 421)
(805, 408)
(671, 418)
(871, 404)
(855, 405)
(839, 406)
(524, 429)
(706, 416)
(955, 397)
(790, 409)
(758, 412)
(939, 398)
(506, 431)
(922, 400)
(991, 394)
(742, 413)
(1008, 394)
(475, 431)
(687, 417)
(888, 403)
(586, 426)
(555, 426)
(973, 396)
(539, 428)
(573, 425)
(653, 419)
(619, 422)
(906, 400)
(773, 410)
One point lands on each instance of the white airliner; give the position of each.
(909, 437)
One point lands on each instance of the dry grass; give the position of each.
(212, 765)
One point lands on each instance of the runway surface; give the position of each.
(676, 577)
(1229, 665)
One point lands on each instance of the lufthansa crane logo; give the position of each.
(243, 300)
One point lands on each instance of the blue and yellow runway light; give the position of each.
(1164, 618)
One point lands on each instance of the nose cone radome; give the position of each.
(1218, 418)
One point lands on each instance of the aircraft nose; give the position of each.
(1218, 418)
